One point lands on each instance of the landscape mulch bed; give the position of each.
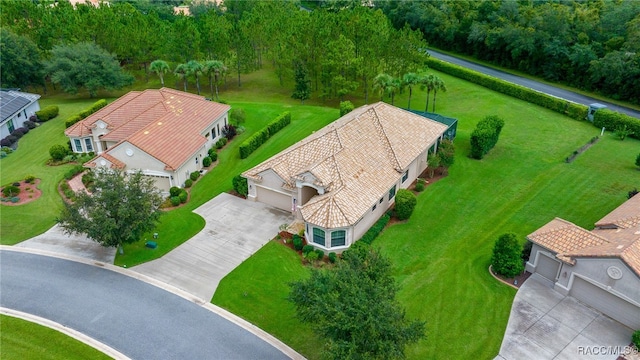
(28, 193)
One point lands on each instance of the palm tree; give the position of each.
(438, 85)
(182, 71)
(214, 68)
(381, 83)
(427, 82)
(160, 67)
(195, 69)
(394, 86)
(410, 80)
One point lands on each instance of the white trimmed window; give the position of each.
(338, 238)
(392, 192)
(88, 144)
(318, 236)
(77, 144)
(405, 176)
(10, 126)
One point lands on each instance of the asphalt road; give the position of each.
(532, 84)
(137, 319)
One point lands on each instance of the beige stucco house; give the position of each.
(342, 178)
(600, 267)
(164, 133)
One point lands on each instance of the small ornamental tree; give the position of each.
(433, 161)
(405, 203)
(507, 256)
(446, 153)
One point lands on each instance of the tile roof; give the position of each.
(570, 241)
(115, 163)
(12, 101)
(166, 124)
(357, 158)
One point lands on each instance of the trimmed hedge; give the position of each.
(256, 140)
(47, 113)
(485, 136)
(375, 230)
(194, 175)
(240, 185)
(571, 109)
(85, 113)
(612, 121)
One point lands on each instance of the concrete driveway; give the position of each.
(545, 324)
(235, 229)
(55, 240)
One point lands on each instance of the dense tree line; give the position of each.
(339, 51)
(594, 45)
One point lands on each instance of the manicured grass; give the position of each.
(274, 267)
(179, 225)
(20, 339)
(25, 221)
(442, 253)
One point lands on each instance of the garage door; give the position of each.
(547, 267)
(606, 302)
(273, 198)
(160, 182)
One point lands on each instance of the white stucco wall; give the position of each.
(19, 118)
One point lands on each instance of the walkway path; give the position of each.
(532, 84)
(138, 319)
(235, 229)
(547, 325)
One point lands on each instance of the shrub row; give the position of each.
(573, 110)
(259, 138)
(375, 230)
(485, 136)
(85, 113)
(612, 121)
(47, 113)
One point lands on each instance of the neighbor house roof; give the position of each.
(616, 235)
(166, 124)
(357, 159)
(13, 101)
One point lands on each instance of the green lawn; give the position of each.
(21, 339)
(25, 221)
(442, 253)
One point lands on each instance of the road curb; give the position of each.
(272, 340)
(107, 350)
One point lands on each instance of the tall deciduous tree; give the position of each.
(120, 211)
(353, 307)
(160, 67)
(20, 61)
(85, 65)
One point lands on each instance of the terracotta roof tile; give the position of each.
(617, 235)
(358, 158)
(167, 124)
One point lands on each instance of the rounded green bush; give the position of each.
(206, 162)
(188, 183)
(311, 256)
(320, 254)
(175, 201)
(58, 152)
(211, 152)
(29, 179)
(297, 242)
(419, 185)
(213, 156)
(194, 175)
(307, 249)
(183, 196)
(333, 257)
(405, 203)
(174, 191)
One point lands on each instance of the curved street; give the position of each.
(532, 84)
(137, 319)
